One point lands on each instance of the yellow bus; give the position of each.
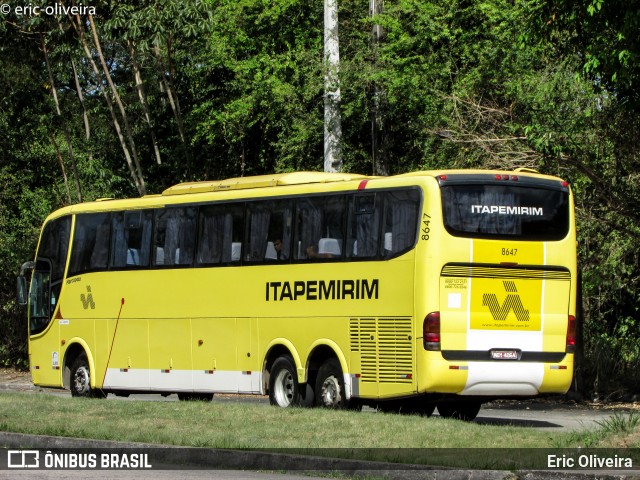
(434, 288)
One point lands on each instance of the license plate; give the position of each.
(504, 355)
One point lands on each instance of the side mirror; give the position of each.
(23, 287)
(22, 290)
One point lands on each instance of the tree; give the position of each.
(332, 117)
(603, 34)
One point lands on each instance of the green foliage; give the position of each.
(603, 33)
(620, 423)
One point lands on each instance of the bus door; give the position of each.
(44, 296)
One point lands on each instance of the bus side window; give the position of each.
(268, 231)
(90, 249)
(220, 234)
(364, 225)
(174, 237)
(320, 225)
(401, 221)
(131, 238)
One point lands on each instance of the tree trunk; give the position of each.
(167, 87)
(143, 99)
(332, 119)
(63, 126)
(61, 162)
(138, 182)
(118, 100)
(85, 115)
(378, 137)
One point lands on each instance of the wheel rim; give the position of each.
(82, 381)
(284, 388)
(330, 392)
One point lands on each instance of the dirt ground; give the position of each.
(10, 375)
(14, 379)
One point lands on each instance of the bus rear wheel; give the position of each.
(81, 379)
(284, 390)
(330, 391)
(466, 411)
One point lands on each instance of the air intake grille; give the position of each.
(386, 349)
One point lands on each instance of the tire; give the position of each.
(284, 390)
(80, 382)
(330, 392)
(195, 397)
(466, 411)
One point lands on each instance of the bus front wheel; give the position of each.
(330, 386)
(284, 390)
(81, 379)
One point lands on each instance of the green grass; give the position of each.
(257, 426)
(620, 423)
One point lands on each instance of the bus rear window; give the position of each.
(501, 211)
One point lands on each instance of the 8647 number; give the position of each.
(426, 226)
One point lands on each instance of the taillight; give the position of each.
(571, 334)
(431, 331)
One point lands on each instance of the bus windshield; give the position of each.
(506, 211)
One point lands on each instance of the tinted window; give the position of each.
(401, 209)
(220, 234)
(48, 273)
(54, 245)
(175, 236)
(319, 230)
(90, 250)
(496, 211)
(131, 238)
(268, 231)
(364, 229)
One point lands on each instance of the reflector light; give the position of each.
(565, 184)
(442, 177)
(514, 178)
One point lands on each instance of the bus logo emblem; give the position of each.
(87, 300)
(512, 302)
